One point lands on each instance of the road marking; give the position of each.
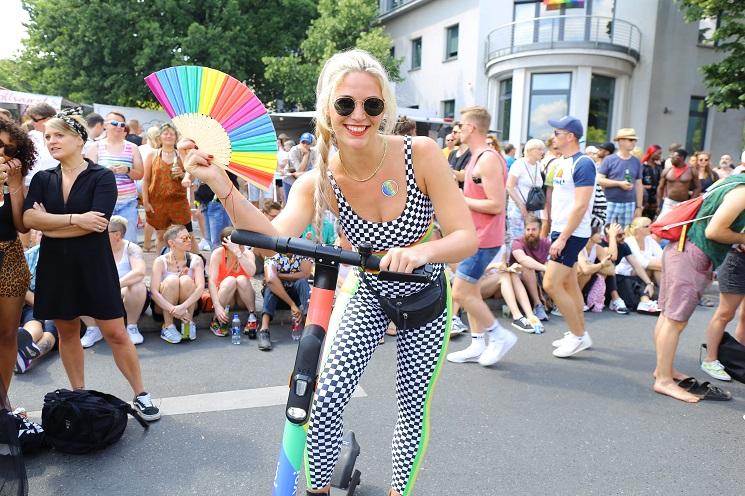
(224, 401)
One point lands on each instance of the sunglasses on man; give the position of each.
(373, 106)
(117, 124)
(9, 150)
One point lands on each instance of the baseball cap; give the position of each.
(608, 146)
(306, 138)
(568, 123)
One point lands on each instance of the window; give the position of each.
(448, 109)
(451, 42)
(416, 54)
(572, 21)
(706, 28)
(601, 108)
(505, 107)
(697, 115)
(549, 99)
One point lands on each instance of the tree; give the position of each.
(100, 50)
(726, 78)
(340, 25)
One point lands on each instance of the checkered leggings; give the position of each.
(419, 356)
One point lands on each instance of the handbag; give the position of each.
(536, 199)
(414, 310)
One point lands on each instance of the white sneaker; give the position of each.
(648, 307)
(497, 348)
(134, 334)
(204, 245)
(457, 326)
(555, 311)
(470, 354)
(571, 345)
(558, 342)
(618, 306)
(92, 336)
(170, 334)
(716, 370)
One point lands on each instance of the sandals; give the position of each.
(705, 390)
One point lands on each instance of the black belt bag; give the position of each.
(414, 310)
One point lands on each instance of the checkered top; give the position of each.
(405, 230)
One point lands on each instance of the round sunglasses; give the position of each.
(373, 106)
(9, 150)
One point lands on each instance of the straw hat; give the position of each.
(626, 133)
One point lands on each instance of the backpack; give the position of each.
(674, 224)
(731, 354)
(82, 421)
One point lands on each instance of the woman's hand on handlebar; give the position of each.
(404, 259)
(199, 164)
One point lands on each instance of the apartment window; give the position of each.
(505, 107)
(549, 99)
(697, 116)
(706, 28)
(451, 42)
(571, 21)
(448, 109)
(599, 119)
(416, 54)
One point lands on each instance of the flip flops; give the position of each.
(704, 390)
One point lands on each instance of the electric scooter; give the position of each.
(305, 372)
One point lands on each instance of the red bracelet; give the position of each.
(229, 193)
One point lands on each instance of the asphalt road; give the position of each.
(532, 425)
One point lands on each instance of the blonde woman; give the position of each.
(76, 273)
(384, 189)
(524, 174)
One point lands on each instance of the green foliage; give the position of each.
(341, 24)
(100, 50)
(726, 78)
(10, 76)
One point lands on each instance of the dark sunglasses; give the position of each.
(9, 150)
(117, 123)
(476, 179)
(39, 119)
(373, 106)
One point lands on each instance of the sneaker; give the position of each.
(134, 334)
(144, 405)
(251, 325)
(265, 341)
(457, 326)
(540, 312)
(523, 324)
(555, 311)
(26, 345)
(92, 336)
(218, 329)
(22, 364)
(470, 354)
(648, 307)
(170, 334)
(716, 370)
(204, 245)
(571, 345)
(618, 306)
(558, 342)
(188, 330)
(538, 327)
(585, 308)
(498, 348)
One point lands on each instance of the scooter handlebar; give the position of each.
(329, 254)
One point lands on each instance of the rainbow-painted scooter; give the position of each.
(305, 372)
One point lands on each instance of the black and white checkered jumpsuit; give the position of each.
(361, 324)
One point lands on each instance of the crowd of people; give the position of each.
(557, 231)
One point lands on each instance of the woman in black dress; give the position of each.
(17, 155)
(76, 273)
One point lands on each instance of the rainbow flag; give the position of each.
(569, 4)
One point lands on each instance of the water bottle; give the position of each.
(235, 330)
(296, 329)
(627, 176)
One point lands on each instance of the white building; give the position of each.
(611, 63)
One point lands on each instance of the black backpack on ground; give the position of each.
(732, 356)
(82, 421)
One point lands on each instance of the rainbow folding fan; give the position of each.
(223, 117)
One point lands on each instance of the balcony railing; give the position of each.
(388, 6)
(566, 31)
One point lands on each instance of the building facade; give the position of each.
(611, 63)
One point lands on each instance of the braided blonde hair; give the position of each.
(334, 71)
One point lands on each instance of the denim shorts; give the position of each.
(571, 250)
(472, 268)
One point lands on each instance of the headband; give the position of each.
(66, 116)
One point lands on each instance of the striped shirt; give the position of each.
(125, 185)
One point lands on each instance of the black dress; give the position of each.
(76, 276)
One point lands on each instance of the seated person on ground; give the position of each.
(637, 290)
(531, 252)
(285, 279)
(645, 249)
(594, 264)
(176, 285)
(231, 268)
(36, 338)
(131, 267)
(270, 211)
